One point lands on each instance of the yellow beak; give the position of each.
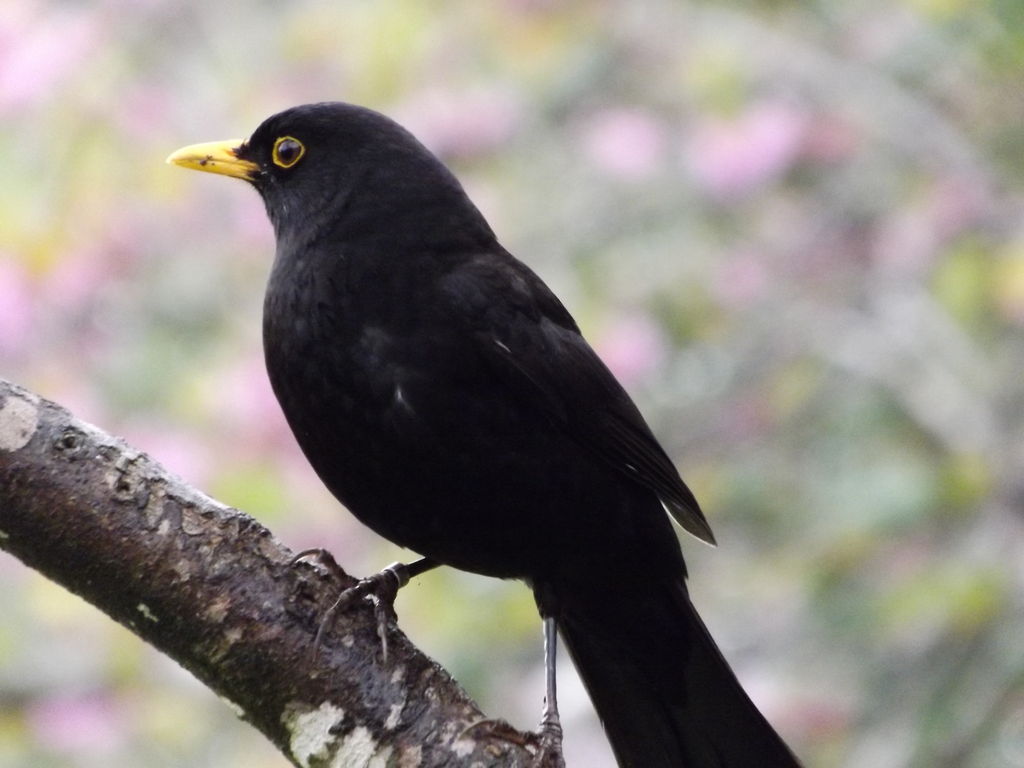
(216, 157)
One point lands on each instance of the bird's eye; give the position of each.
(288, 151)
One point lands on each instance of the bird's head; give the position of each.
(339, 167)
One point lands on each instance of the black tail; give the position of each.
(664, 692)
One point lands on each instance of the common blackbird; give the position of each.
(446, 397)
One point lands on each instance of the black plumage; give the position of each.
(446, 397)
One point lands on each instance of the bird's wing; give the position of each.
(522, 330)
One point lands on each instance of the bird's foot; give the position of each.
(549, 742)
(381, 588)
(545, 745)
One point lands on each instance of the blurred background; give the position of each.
(794, 231)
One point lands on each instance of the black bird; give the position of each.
(446, 397)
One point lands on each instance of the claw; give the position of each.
(549, 753)
(381, 587)
(324, 558)
(384, 590)
(546, 746)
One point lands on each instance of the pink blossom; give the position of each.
(956, 203)
(36, 54)
(459, 123)
(76, 278)
(625, 142)
(247, 401)
(143, 111)
(250, 222)
(17, 310)
(633, 347)
(85, 723)
(179, 452)
(746, 418)
(912, 237)
(740, 280)
(829, 139)
(79, 394)
(730, 158)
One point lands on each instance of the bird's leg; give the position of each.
(548, 741)
(382, 587)
(550, 724)
(550, 733)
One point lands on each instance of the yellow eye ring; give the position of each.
(288, 151)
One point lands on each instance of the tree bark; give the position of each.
(215, 591)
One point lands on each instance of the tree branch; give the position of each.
(215, 591)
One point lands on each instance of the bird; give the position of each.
(447, 398)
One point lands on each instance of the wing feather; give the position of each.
(536, 350)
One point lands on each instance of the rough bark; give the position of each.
(215, 591)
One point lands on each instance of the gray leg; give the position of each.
(549, 720)
(550, 723)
